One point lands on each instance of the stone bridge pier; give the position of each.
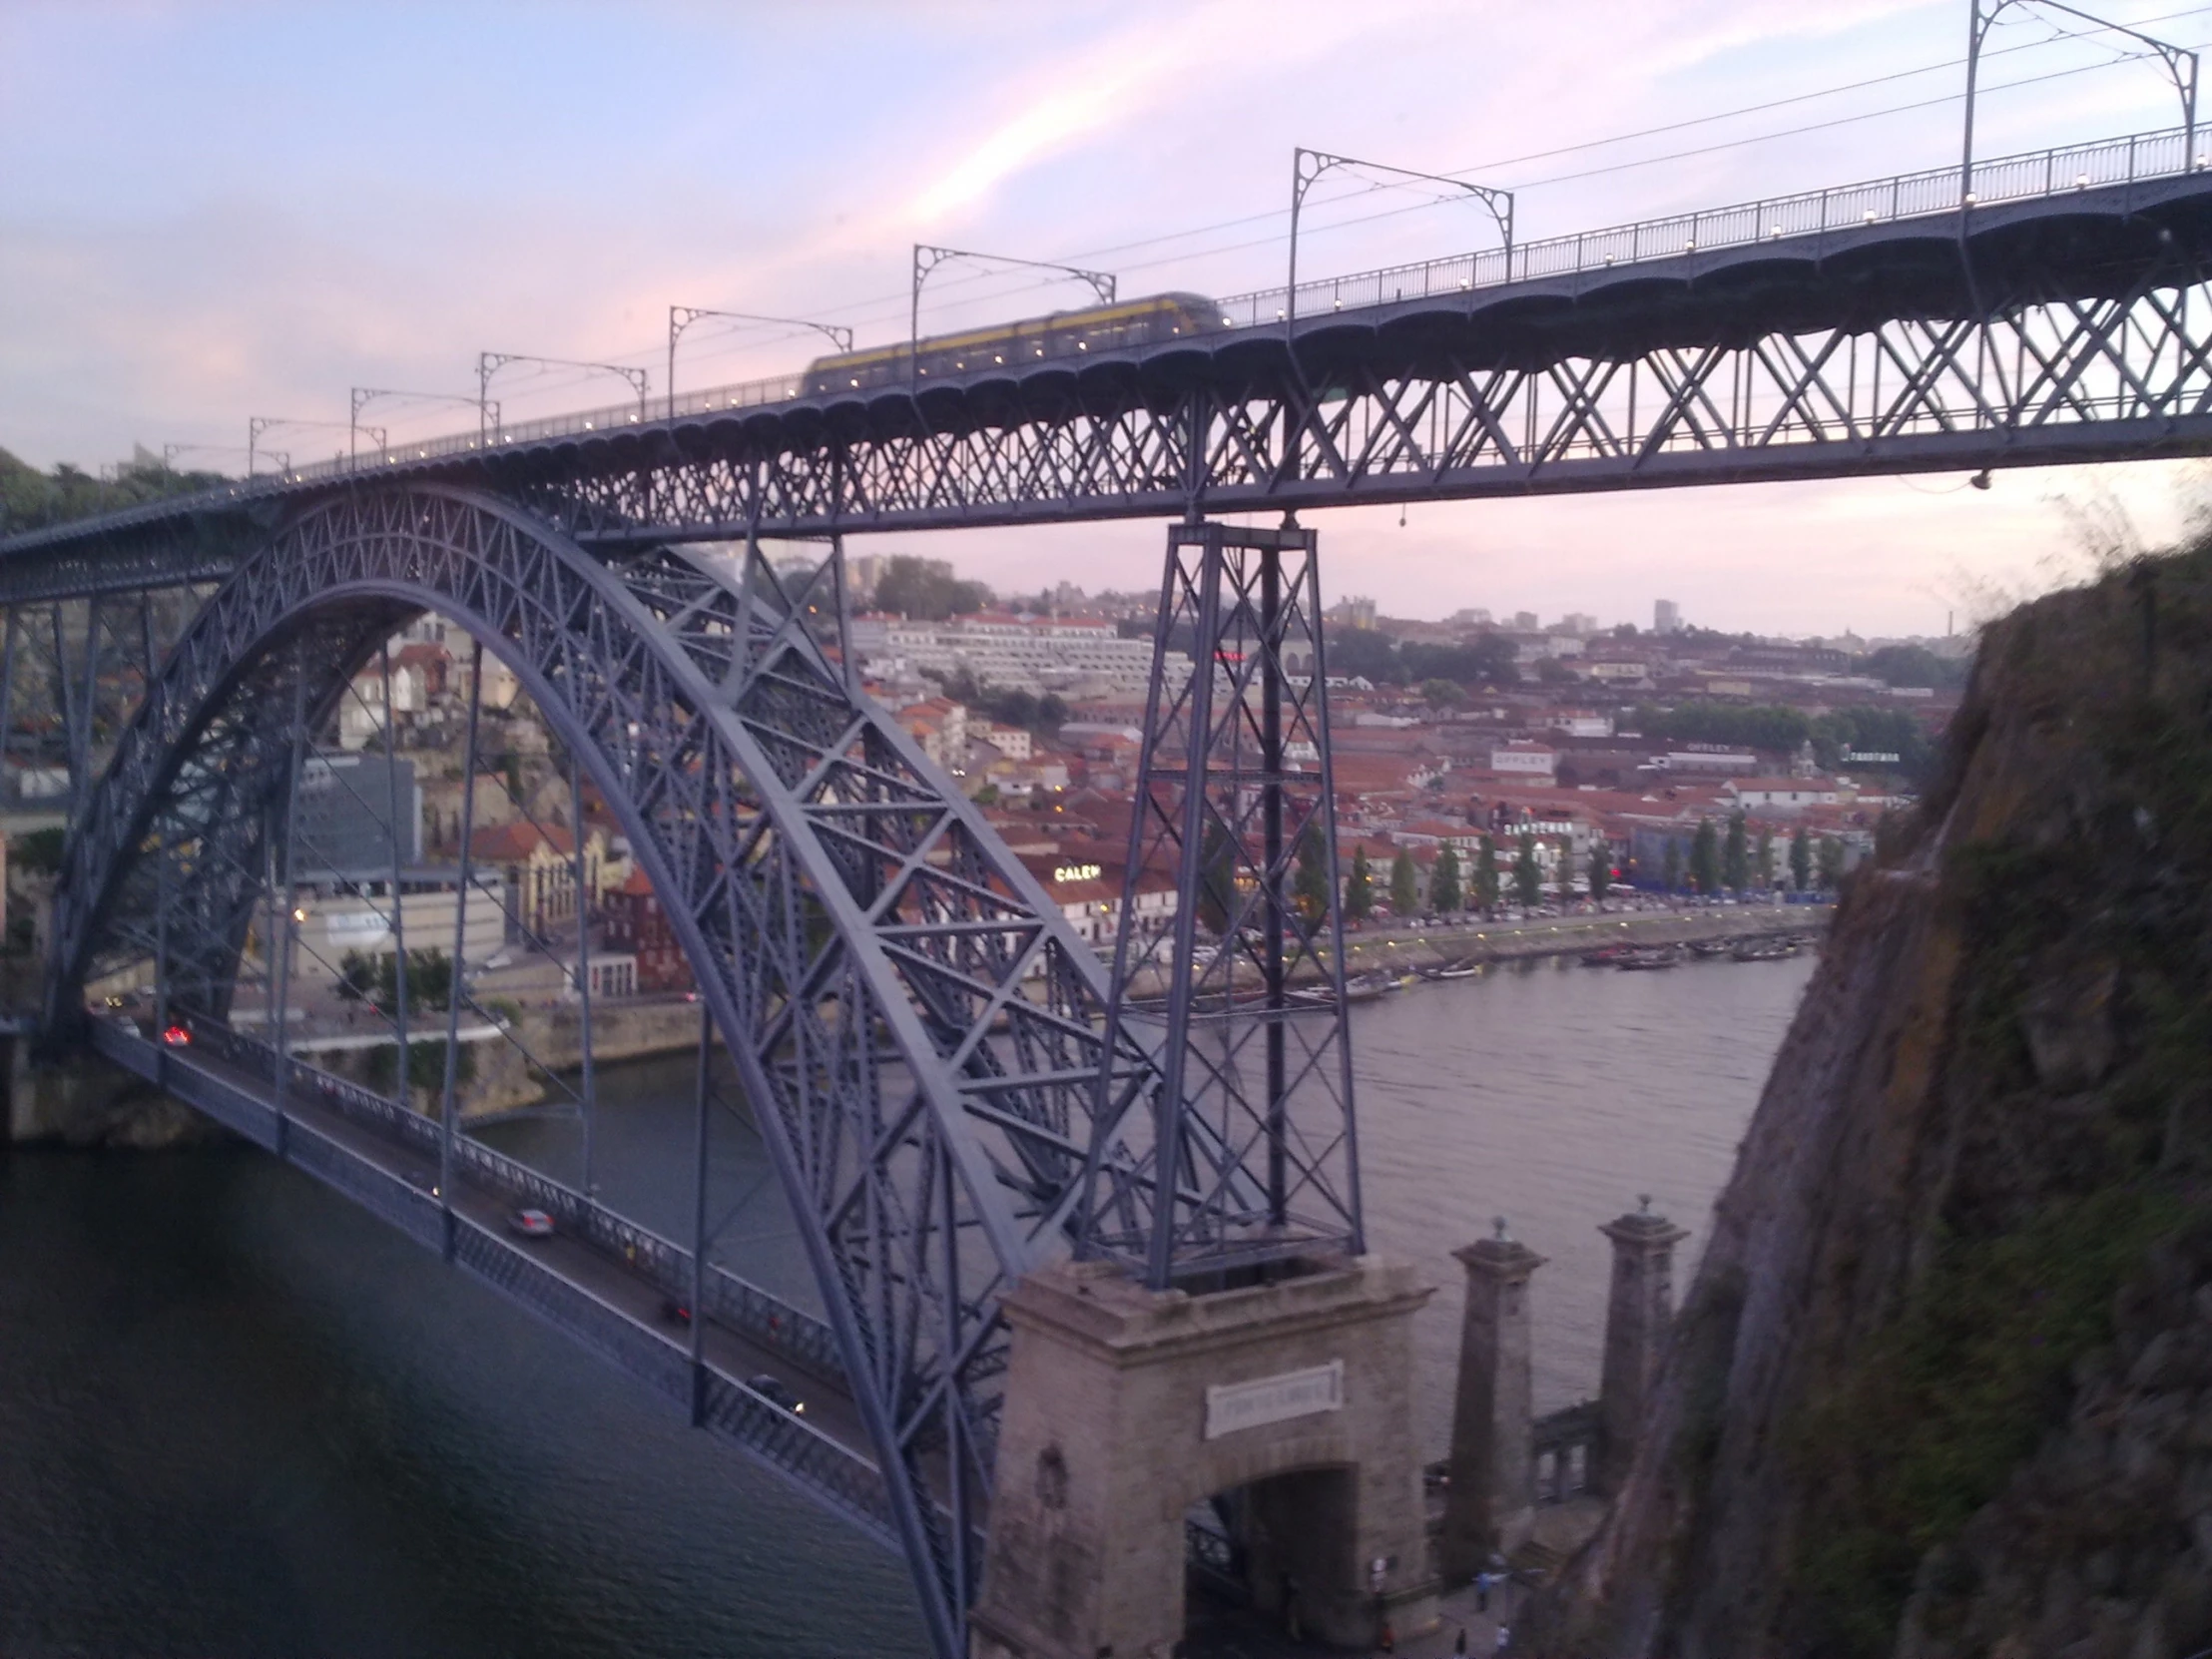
(1126, 1406)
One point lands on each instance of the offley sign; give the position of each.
(1291, 1393)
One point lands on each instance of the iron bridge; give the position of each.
(950, 1085)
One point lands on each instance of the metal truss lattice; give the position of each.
(2045, 376)
(1243, 995)
(915, 1028)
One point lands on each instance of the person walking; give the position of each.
(1459, 1648)
(1504, 1635)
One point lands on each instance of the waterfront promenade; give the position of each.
(1379, 948)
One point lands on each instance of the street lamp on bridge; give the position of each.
(256, 425)
(489, 363)
(364, 396)
(2180, 62)
(681, 318)
(927, 258)
(1307, 167)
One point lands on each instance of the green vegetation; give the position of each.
(1310, 880)
(1528, 879)
(1485, 875)
(1801, 859)
(1705, 859)
(1404, 886)
(1217, 879)
(1444, 694)
(1780, 730)
(425, 1065)
(1040, 716)
(1601, 870)
(1736, 855)
(40, 851)
(926, 590)
(1757, 727)
(1951, 1396)
(32, 500)
(1914, 665)
(2070, 1172)
(1828, 862)
(375, 981)
(1444, 895)
(1483, 660)
(1360, 887)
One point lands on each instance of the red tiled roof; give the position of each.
(510, 844)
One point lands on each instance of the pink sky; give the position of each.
(211, 211)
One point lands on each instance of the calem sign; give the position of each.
(1076, 872)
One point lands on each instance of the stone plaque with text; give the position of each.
(1264, 1400)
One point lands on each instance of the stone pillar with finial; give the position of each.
(1490, 1504)
(1637, 1314)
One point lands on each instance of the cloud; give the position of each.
(1114, 84)
(275, 257)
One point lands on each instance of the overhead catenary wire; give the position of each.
(1565, 178)
(878, 308)
(1653, 161)
(1666, 128)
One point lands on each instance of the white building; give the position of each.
(1786, 794)
(362, 710)
(1617, 673)
(1582, 723)
(1708, 760)
(1012, 742)
(348, 917)
(1525, 760)
(1033, 654)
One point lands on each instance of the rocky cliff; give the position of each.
(1943, 1383)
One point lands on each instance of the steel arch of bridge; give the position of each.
(914, 1022)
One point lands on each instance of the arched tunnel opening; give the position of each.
(1270, 1562)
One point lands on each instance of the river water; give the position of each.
(238, 1416)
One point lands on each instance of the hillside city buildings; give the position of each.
(1583, 744)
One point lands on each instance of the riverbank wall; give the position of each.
(86, 1102)
(1506, 941)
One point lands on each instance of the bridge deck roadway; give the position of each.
(614, 1306)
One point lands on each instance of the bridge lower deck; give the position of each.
(597, 1278)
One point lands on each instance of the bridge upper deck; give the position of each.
(2090, 219)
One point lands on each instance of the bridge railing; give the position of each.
(731, 1301)
(2039, 172)
(1564, 1447)
(1905, 196)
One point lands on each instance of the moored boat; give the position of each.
(1369, 987)
(1766, 951)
